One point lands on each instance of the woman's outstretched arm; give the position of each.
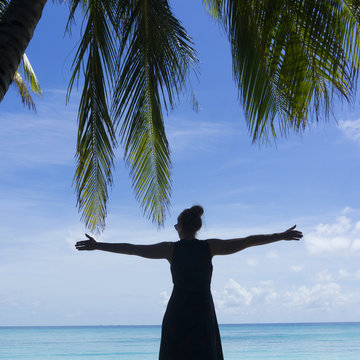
(231, 246)
(161, 250)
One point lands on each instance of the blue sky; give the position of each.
(309, 180)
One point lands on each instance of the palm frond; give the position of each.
(24, 92)
(22, 85)
(30, 75)
(290, 58)
(255, 89)
(96, 136)
(156, 57)
(3, 6)
(214, 8)
(73, 7)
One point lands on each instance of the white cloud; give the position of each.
(296, 268)
(267, 282)
(342, 225)
(324, 296)
(164, 298)
(324, 276)
(345, 274)
(351, 129)
(341, 237)
(272, 255)
(356, 245)
(235, 297)
(252, 262)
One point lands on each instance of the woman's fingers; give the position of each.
(84, 245)
(292, 234)
(296, 235)
(291, 229)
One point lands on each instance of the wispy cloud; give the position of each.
(324, 276)
(296, 268)
(351, 129)
(47, 137)
(188, 136)
(252, 262)
(345, 274)
(164, 298)
(272, 255)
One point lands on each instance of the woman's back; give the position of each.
(191, 266)
(190, 329)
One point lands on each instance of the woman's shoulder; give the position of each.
(213, 244)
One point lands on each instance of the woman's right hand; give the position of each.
(86, 244)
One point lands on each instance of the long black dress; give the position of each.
(190, 330)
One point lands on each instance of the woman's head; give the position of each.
(189, 221)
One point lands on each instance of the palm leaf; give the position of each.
(259, 101)
(3, 5)
(30, 75)
(96, 135)
(24, 92)
(156, 55)
(290, 58)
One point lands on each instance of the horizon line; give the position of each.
(159, 325)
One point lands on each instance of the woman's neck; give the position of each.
(189, 236)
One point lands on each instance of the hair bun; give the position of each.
(197, 210)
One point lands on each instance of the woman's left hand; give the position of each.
(291, 234)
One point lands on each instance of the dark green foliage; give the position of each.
(136, 59)
(290, 58)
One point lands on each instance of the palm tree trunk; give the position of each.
(17, 26)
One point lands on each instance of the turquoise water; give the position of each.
(325, 341)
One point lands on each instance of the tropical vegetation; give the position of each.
(290, 58)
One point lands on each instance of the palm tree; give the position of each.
(17, 24)
(289, 59)
(28, 74)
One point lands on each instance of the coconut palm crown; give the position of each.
(290, 58)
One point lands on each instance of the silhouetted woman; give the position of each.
(190, 330)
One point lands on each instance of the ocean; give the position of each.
(300, 341)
